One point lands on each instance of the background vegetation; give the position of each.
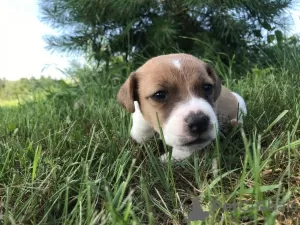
(137, 30)
(65, 152)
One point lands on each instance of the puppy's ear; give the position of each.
(218, 83)
(127, 93)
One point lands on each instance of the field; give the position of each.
(69, 159)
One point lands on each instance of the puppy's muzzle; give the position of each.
(197, 123)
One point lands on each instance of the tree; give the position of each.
(145, 28)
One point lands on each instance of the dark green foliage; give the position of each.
(146, 28)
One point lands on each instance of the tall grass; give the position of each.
(69, 159)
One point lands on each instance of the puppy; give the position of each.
(182, 95)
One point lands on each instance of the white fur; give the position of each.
(173, 129)
(181, 152)
(177, 155)
(141, 130)
(176, 63)
(242, 107)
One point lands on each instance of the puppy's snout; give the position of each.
(197, 123)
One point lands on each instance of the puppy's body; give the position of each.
(185, 95)
(230, 105)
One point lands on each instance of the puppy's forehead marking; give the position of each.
(178, 73)
(176, 63)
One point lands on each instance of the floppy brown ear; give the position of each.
(218, 83)
(127, 92)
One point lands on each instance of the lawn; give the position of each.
(68, 161)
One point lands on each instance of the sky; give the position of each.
(22, 48)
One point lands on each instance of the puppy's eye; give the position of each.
(160, 96)
(208, 88)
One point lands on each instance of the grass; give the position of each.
(71, 163)
(9, 102)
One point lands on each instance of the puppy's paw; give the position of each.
(164, 158)
(177, 155)
(241, 102)
(236, 123)
(242, 110)
(141, 135)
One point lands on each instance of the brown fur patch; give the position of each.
(161, 74)
(180, 81)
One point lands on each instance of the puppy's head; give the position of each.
(181, 91)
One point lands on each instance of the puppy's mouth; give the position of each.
(197, 141)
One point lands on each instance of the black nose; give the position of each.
(197, 123)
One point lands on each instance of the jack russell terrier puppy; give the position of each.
(182, 95)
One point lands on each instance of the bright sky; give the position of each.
(22, 48)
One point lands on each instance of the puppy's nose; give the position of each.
(197, 123)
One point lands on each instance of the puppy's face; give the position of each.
(179, 91)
